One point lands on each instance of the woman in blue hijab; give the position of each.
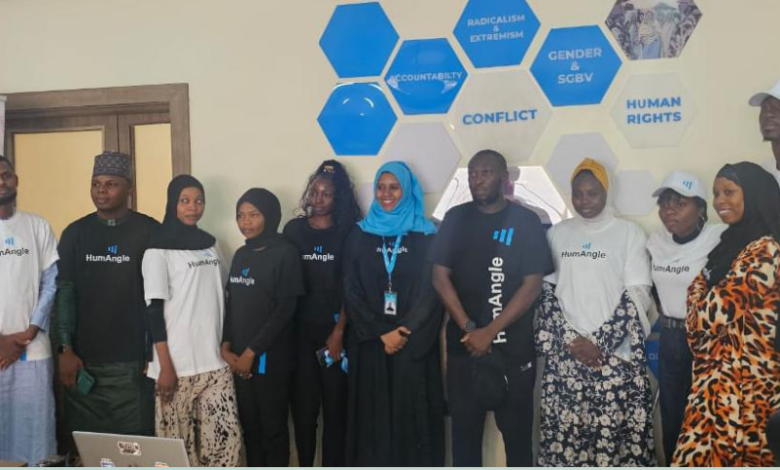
(396, 405)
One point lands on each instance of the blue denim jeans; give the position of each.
(674, 382)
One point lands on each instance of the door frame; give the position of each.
(172, 99)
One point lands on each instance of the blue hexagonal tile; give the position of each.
(358, 40)
(496, 33)
(357, 119)
(653, 29)
(575, 66)
(425, 76)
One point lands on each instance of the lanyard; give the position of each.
(390, 262)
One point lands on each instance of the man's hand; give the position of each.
(244, 364)
(11, 349)
(479, 342)
(335, 343)
(586, 352)
(395, 340)
(69, 366)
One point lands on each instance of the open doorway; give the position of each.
(53, 136)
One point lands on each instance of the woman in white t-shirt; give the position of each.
(678, 253)
(596, 404)
(183, 286)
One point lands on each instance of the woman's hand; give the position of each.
(586, 352)
(396, 339)
(166, 383)
(229, 356)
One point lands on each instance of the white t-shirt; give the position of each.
(27, 248)
(190, 282)
(594, 266)
(771, 166)
(675, 266)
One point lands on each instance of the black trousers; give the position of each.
(674, 382)
(315, 385)
(514, 419)
(263, 407)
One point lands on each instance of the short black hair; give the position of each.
(492, 154)
(7, 162)
(670, 195)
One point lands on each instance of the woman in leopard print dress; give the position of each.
(732, 317)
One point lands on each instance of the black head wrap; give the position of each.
(174, 234)
(268, 204)
(761, 217)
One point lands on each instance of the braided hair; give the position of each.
(346, 211)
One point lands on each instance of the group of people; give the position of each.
(153, 333)
(653, 30)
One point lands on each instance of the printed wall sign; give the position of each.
(496, 32)
(575, 66)
(504, 111)
(654, 110)
(653, 29)
(425, 76)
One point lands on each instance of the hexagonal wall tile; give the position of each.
(496, 32)
(654, 110)
(575, 66)
(571, 150)
(653, 29)
(357, 118)
(529, 186)
(428, 150)
(503, 111)
(358, 40)
(633, 193)
(425, 76)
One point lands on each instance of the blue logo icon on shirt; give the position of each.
(10, 241)
(245, 272)
(504, 235)
(587, 246)
(113, 249)
(318, 249)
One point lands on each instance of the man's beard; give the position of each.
(490, 199)
(10, 199)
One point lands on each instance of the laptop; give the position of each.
(116, 450)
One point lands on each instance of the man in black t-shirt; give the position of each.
(489, 260)
(99, 326)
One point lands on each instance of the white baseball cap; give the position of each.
(684, 184)
(759, 98)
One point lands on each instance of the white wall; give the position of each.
(258, 79)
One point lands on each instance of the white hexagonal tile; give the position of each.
(503, 111)
(571, 150)
(633, 193)
(428, 150)
(654, 110)
(530, 186)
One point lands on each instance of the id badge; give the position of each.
(391, 303)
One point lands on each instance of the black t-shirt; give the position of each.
(366, 282)
(104, 263)
(261, 293)
(321, 260)
(489, 254)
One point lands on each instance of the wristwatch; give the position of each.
(470, 326)
(62, 348)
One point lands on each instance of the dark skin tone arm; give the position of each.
(479, 341)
